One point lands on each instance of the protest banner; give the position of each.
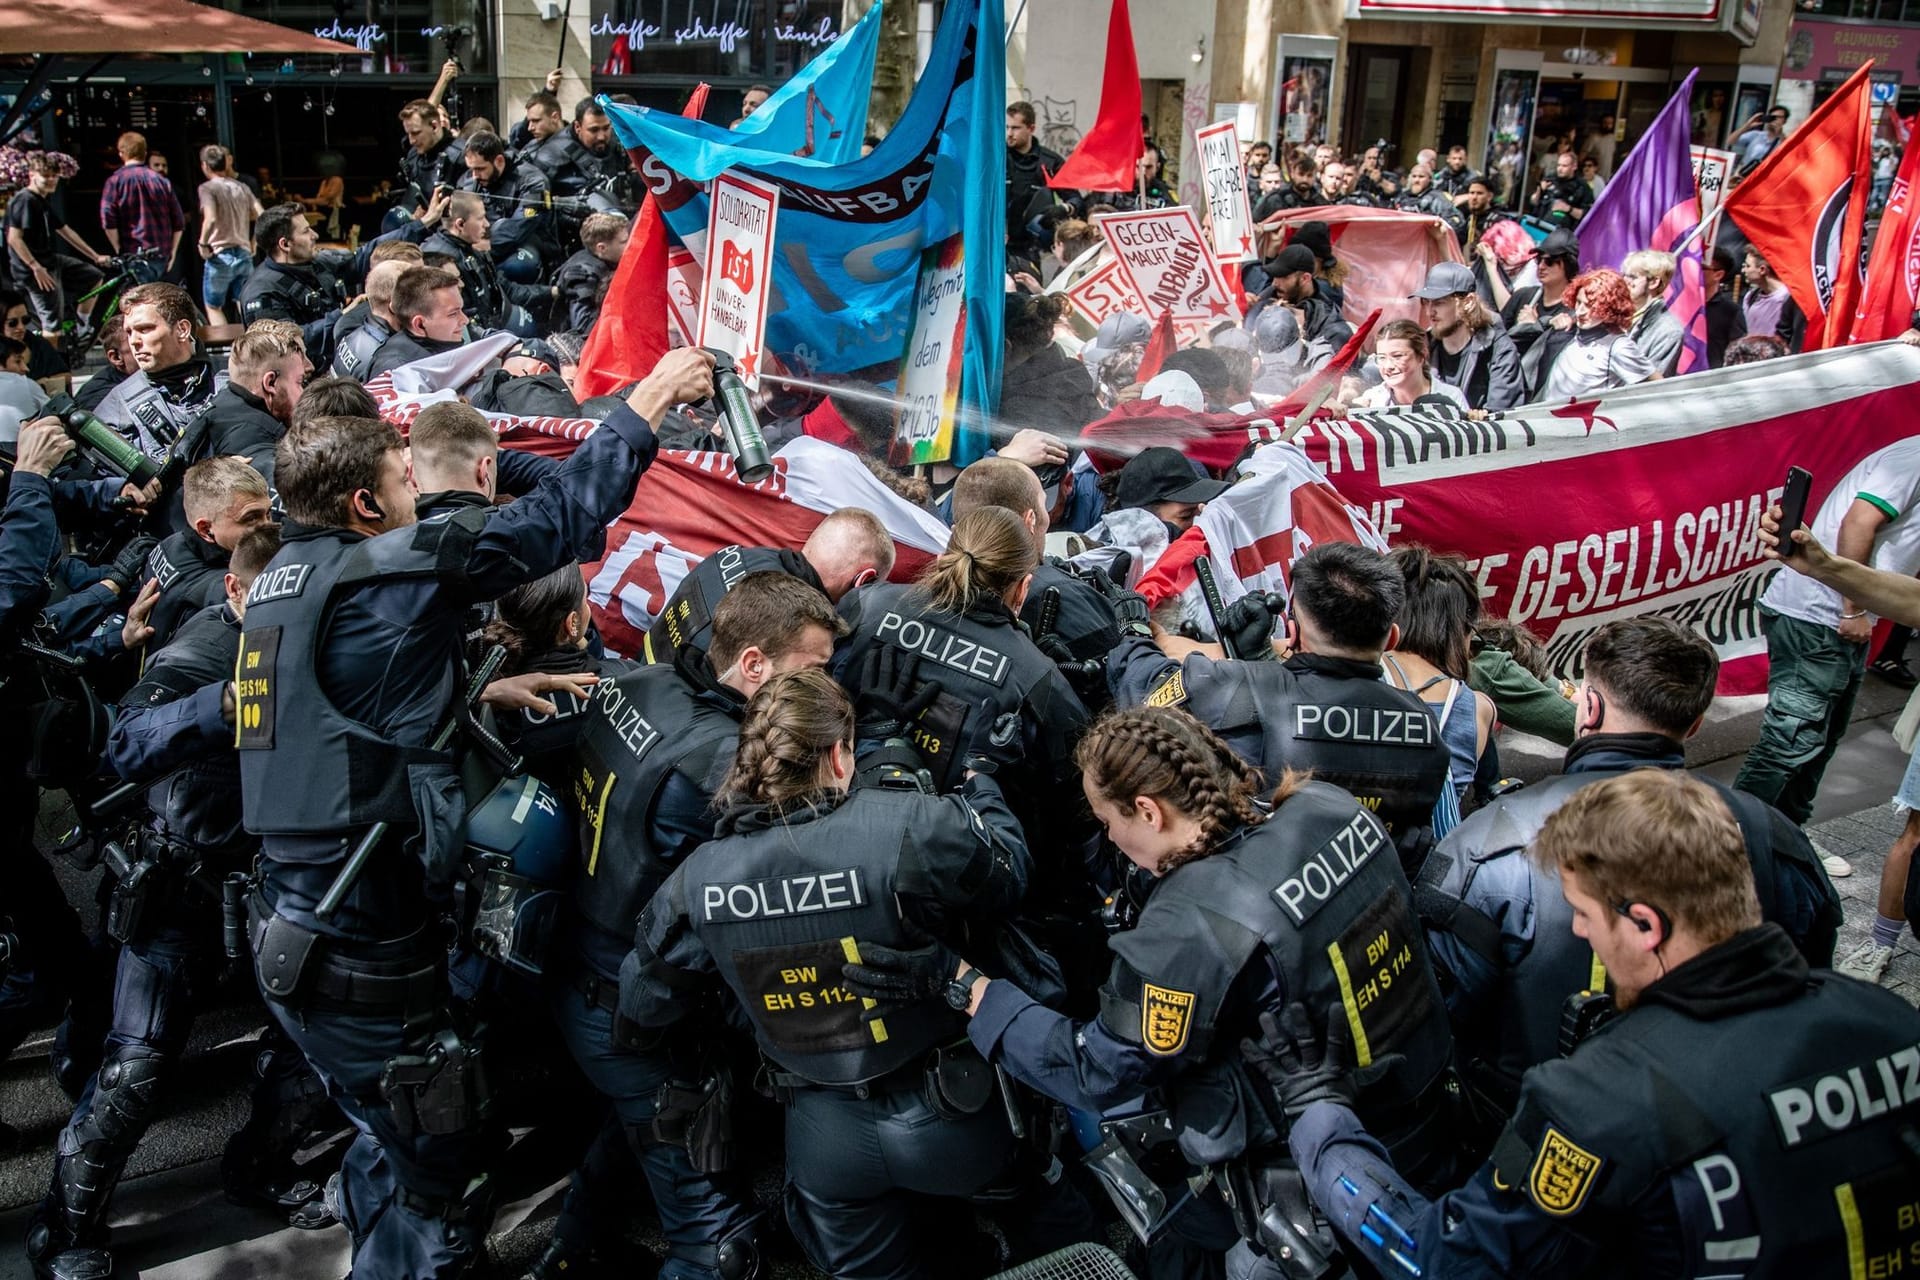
(735, 284)
(683, 293)
(1386, 254)
(1711, 169)
(929, 384)
(1103, 292)
(1229, 216)
(1166, 262)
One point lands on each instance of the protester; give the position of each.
(1769, 304)
(1471, 354)
(1431, 658)
(1041, 386)
(1648, 272)
(1292, 284)
(1401, 353)
(52, 279)
(1726, 321)
(1602, 354)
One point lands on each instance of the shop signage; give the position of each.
(1835, 50)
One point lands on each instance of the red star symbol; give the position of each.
(1218, 307)
(1246, 245)
(749, 361)
(1584, 411)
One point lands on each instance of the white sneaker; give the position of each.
(1868, 962)
(1838, 868)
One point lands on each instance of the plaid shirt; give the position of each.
(141, 205)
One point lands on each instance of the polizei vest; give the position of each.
(305, 767)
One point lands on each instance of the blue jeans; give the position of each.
(225, 272)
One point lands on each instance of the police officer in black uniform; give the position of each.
(175, 383)
(1326, 707)
(848, 549)
(347, 674)
(879, 1108)
(654, 744)
(1500, 927)
(1744, 1116)
(224, 499)
(267, 370)
(1254, 905)
(518, 200)
(174, 727)
(291, 281)
(463, 234)
(434, 158)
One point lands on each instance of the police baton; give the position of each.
(1216, 607)
(1049, 614)
(357, 864)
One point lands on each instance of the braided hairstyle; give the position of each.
(1168, 755)
(790, 726)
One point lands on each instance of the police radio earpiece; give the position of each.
(373, 505)
(1625, 908)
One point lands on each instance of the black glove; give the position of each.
(892, 977)
(1130, 609)
(1246, 629)
(1086, 676)
(130, 565)
(891, 696)
(1301, 1068)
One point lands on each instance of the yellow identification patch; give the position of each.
(1563, 1173)
(1171, 692)
(1166, 1016)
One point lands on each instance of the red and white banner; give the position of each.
(683, 293)
(402, 393)
(737, 281)
(1386, 254)
(1892, 293)
(1102, 292)
(689, 505)
(1167, 263)
(1229, 215)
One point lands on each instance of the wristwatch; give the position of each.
(960, 989)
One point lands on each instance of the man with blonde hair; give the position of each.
(267, 371)
(224, 500)
(355, 344)
(1741, 1115)
(1655, 331)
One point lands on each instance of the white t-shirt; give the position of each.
(1890, 480)
(1381, 397)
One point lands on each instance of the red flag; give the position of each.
(1805, 209)
(1893, 276)
(1161, 345)
(631, 334)
(1107, 156)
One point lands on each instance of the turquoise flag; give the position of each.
(852, 233)
(822, 111)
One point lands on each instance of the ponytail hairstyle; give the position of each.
(989, 553)
(1168, 755)
(790, 726)
(527, 620)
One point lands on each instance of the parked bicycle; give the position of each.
(124, 271)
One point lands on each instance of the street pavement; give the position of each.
(172, 1221)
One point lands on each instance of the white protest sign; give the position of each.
(1229, 216)
(1102, 292)
(1163, 257)
(929, 386)
(1711, 169)
(737, 279)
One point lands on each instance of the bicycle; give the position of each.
(124, 271)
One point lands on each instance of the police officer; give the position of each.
(433, 159)
(654, 744)
(1743, 1116)
(1508, 958)
(518, 201)
(1255, 904)
(267, 370)
(879, 1108)
(1326, 707)
(225, 499)
(291, 282)
(547, 678)
(354, 346)
(464, 235)
(174, 383)
(848, 549)
(175, 729)
(347, 673)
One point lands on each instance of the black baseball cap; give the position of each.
(1164, 475)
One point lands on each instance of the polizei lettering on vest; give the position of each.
(1384, 725)
(635, 732)
(1332, 865)
(784, 896)
(1820, 1107)
(280, 582)
(937, 644)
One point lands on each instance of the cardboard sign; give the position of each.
(1103, 292)
(1229, 215)
(1711, 169)
(929, 386)
(737, 279)
(1164, 258)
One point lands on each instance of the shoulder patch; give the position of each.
(1171, 692)
(1166, 1019)
(1563, 1173)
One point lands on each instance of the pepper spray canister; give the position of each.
(744, 439)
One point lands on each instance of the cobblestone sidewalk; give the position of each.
(1863, 839)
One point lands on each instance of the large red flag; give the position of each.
(1893, 275)
(1161, 345)
(1805, 209)
(1106, 158)
(631, 334)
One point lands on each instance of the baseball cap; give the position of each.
(1444, 279)
(1290, 260)
(1164, 475)
(1560, 243)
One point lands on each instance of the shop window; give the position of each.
(710, 39)
(397, 37)
(1866, 10)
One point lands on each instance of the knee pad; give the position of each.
(738, 1256)
(522, 266)
(124, 1093)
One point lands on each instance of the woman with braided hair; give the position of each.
(1254, 903)
(881, 1107)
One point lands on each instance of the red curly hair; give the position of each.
(1609, 302)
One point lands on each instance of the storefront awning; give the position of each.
(151, 26)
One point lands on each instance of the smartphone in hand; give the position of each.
(1793, 508)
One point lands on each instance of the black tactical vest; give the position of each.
(1339, 719)
(200, 803)
(1316, 892)
(640, 727)
(191, 573)
(687, 618)
(305, 767)
(781, 906)
(353, 354)
(985, 666)
(1776, 1133)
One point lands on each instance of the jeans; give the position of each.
(225, 272)
(1813, 676)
